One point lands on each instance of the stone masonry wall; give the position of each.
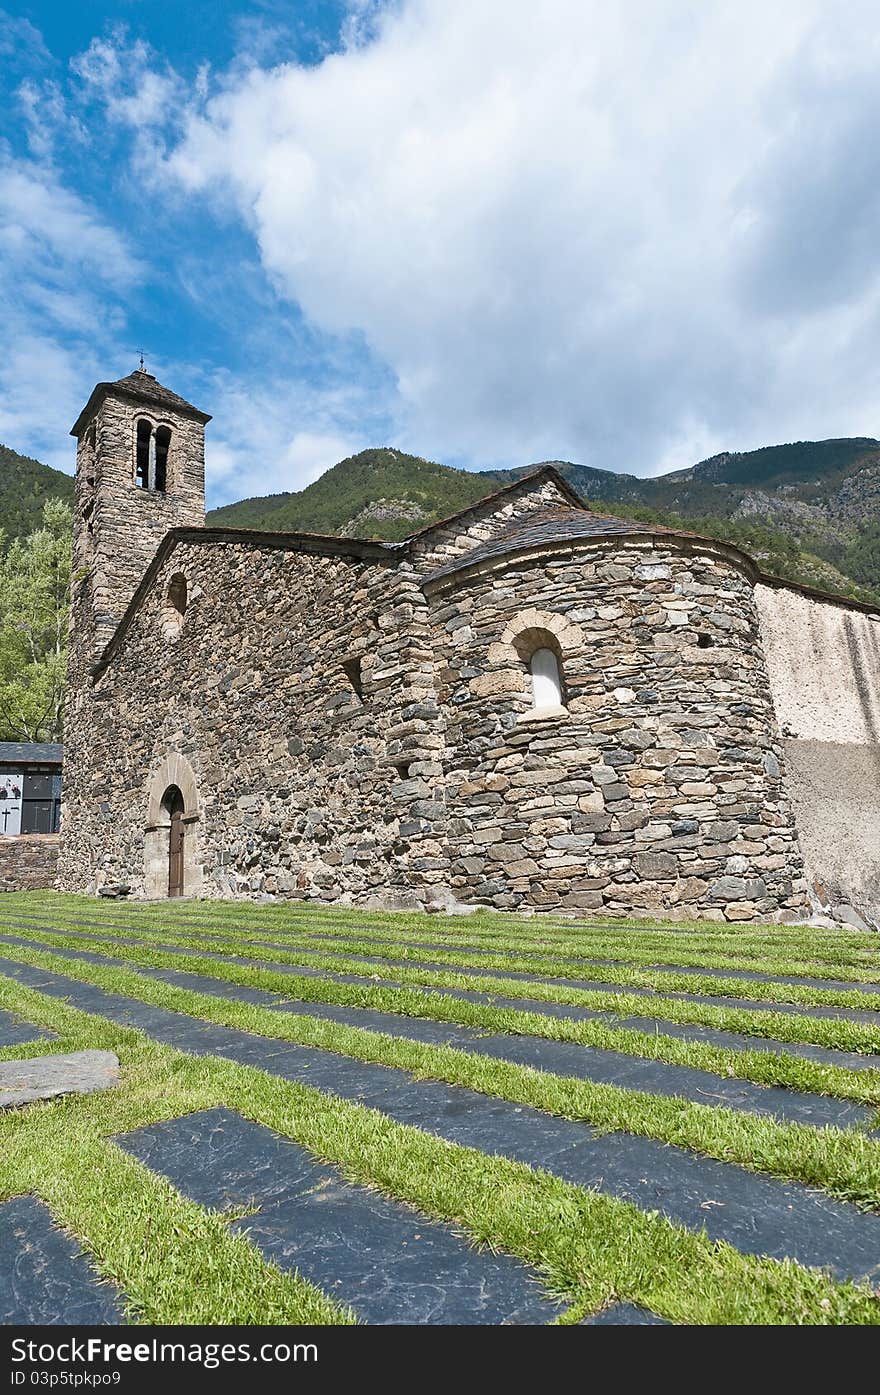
(304, 788)
(662, 784)
(118, 526)
(441, 544)
(28, 862)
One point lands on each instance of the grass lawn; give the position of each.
(175, 1261)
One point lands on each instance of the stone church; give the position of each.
(528, 705)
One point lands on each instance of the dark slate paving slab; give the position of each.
(624, 1315)
(47, 1077)
(44, 1276)
(756, 1214)
(582, 965)
(562, 1058)
(14, 1032)
(850, 1060)
(657, 1078)
(386, 1260)
(419, 960)
(865, 1015)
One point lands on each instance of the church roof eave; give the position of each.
(326, 545)
(141, 387)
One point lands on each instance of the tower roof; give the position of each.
(143, 387)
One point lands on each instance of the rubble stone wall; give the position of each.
(302, 787)
(660, 784)
(28, 862)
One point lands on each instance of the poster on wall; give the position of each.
(10, 801)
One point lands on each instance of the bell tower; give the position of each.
(140, 471)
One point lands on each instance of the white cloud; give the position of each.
(125, 76)
(63, 272)
(49, 229)
(624, 234)
(275, 436)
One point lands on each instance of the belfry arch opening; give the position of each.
(152, 446)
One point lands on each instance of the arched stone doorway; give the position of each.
(173, 802)
(172, 866)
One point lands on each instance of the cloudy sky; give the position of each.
(487, 231)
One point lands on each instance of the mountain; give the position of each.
(380, 493)
(25, 485)
(809, 511)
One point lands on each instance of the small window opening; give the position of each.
(352, 671)
(704, 641)
(142, 458)
(402, 768)
(175, 606)
(163, 441)
(546, 680)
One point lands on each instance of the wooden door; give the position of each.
(175, 854)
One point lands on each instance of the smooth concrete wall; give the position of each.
(823, 661)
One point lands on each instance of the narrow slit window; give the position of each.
(546, 679)
(163, 442)
(142, 456)
(352, 670)
(174, 609)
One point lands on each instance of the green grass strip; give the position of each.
(772, 940)
(835, 1033)
(846, 1163)
(810, 956)
(179, 1264)
(339, 959)
(569, 959)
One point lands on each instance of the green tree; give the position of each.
(34, 618)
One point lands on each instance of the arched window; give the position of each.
(142, 455)
(546, 679)
(163, 441)
(151, 457)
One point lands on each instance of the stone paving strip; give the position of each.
(713, 1036)
(460, 963)
(44, 1276)
(556, 1057)
(746, 975)
(421, 973)
(756, 1214)
(582, 961)
(866, 1015)
(330, 943)
(387, 1261)
(13, 1032)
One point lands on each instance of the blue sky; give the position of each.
(486, 231)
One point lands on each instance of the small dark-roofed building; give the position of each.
(30, 787)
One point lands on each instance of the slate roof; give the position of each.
(547, 526)
(30, 752)
(528, 477)
(145, 388)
